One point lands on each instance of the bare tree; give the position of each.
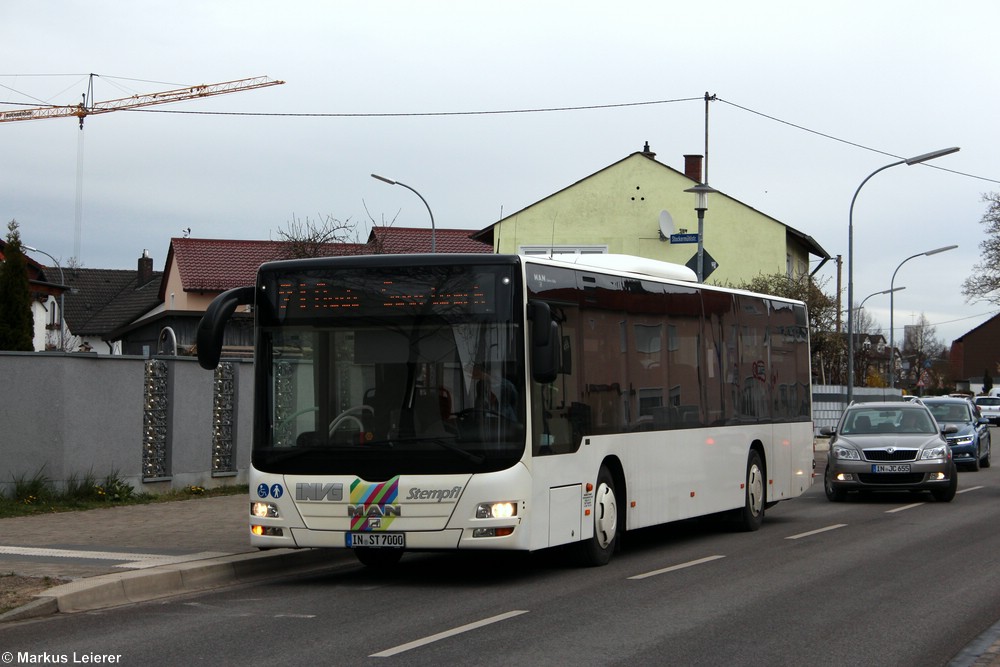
(984, 283)
(312, 238)
(869, 349)
(921, 346)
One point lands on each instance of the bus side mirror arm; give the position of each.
(213, 324)
(544, 343)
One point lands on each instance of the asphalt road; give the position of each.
(888, 580)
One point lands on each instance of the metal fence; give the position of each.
(829, 401)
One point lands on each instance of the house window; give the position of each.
(53, 319)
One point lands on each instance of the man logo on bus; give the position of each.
(374, 510)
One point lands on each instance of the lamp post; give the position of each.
(885, 291)
(701, 191)
(850, 257)
(892, 340)
(62, 294)
(392, 182)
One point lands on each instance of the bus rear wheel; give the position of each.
(751, 515)
(597, 550)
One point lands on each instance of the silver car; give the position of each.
(893, 446)
(989, 406)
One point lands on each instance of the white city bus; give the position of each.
(442, 402)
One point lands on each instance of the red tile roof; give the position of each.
(409, 240)
(215, 265)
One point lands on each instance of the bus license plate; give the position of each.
(890, 467)
(376, 540)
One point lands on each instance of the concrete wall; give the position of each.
(77, 415)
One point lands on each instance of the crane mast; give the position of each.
(83, 109)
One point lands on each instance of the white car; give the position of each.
(989, 406)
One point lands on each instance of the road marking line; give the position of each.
(816, 532)
(904, 507)
(132, 561)
(447, 633)
(971, 488)
(681, 566)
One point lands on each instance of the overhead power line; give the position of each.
(497, 112)
(493, 112)
(849, 143)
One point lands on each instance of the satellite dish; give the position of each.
(666, 224)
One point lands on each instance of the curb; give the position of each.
(112, 590)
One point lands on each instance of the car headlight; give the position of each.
(962, 440)
(846, 453)
(939, 452)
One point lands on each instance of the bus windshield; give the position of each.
(371, 376)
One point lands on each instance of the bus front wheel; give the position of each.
(597, 550)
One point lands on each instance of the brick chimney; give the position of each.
(145, 271)
(692, 167)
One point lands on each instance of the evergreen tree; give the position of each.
(16, 321)
(987, 381)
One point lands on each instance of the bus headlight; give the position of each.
(264, 510)
(499, 510)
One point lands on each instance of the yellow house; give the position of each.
(638, 206)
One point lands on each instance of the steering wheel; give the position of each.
(353, 416)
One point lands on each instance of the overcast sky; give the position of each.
(812, 97)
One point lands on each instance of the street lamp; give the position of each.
(62, 294)
(885, 291)
(850, 257)
(702, 190)
(392, 182)
(892, 340)
(862, 305)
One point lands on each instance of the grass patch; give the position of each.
(37, 495)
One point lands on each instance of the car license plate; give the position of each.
(376, 540)
(891, 467)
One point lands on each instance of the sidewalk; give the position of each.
(119, 555)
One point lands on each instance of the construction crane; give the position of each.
(90, 108)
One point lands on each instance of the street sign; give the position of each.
(683, 238)
(708, 263)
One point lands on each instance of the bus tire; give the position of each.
(378, 559)
(751, 515)
(597, 549)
